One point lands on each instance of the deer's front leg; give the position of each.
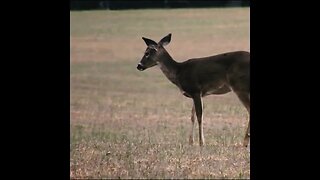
(198, 108)
(191, 139)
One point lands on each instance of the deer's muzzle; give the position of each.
(140, 67)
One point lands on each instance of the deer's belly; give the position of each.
(217, 89)
(220, 90)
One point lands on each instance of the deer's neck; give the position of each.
(169, 68)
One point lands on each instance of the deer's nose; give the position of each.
(140, 67)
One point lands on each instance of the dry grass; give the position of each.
(131, 124)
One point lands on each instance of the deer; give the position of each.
(200, 77)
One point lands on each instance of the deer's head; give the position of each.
(153, 53)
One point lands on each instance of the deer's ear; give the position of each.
(166, 40)
(149, 42)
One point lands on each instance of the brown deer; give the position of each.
(199, 77)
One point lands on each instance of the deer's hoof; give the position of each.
(246, 142)
(191, 141)
(202, 144)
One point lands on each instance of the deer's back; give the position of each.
(225, 59)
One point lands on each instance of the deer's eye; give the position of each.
(147, 54)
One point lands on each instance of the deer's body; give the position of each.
(209, 75)
(200, 77)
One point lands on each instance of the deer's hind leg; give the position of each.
(239, 81)
(245, 99)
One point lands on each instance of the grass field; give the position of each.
(131, 124)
